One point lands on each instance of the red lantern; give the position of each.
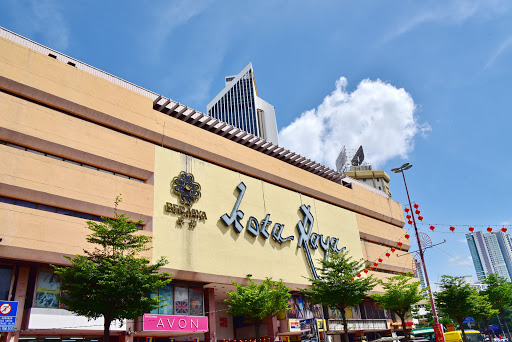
(399, 244)
(388, 255)
(375, 264)
(380, 260)
(365, 271)
(416, 206)
(406, 210)
(471, 229)
(420, 218)
(489, 229)
(370, 267)
(359, 275)
(504, 230)
(432, 228)
(393, 250)
(407, 236)
(352, 279)
(410, 222)
(417, 212)
(452, 229)
(409, 217)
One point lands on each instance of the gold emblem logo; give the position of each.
(188, 192)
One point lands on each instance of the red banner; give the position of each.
(438, 331)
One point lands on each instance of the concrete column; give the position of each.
(272, 329)
(21, 292)
(209, 307)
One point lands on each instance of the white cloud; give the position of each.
(504, 46)
(376, 115)
(44, 18)
(171, 15)
(449, 12)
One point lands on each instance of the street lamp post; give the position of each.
(439, 336)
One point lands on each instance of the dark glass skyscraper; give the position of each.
(238, 104)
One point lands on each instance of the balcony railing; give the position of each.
(358, 324)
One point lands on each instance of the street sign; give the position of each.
(8, 312)
(468, 320)
(493, 327)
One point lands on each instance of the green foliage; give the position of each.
(458, 300)
(482, 307)
(499, 292)
(258, 302)
(112, 280)
(335, 287)
(400, 296)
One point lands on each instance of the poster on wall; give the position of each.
(48, 288)
(196, 301)
(181, 300)
(300, 307)
(308, 330)
(166, 293)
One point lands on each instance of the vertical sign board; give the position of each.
(438, 331)
(8, 312)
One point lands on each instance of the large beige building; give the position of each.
(218, 202)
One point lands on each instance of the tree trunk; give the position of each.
(460, 320)
(404, 327)
(502, 314)
(486, 326)
(345, 324)
(257, 331)
(106, 329)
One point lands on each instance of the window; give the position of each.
(180, 300)
(166, 297)
(5, 281)
(48, 287)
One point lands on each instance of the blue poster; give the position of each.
(8, 312)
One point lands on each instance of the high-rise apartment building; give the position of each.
(238, 104)
(491, 253)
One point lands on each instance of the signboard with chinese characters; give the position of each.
(251, 224)
(8, 312)
(188, 192)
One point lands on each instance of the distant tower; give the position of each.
(378, 179)
(491, 253)
(238, 104)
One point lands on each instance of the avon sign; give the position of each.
(307, 238)
(174, 323)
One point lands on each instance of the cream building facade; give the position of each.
(73, 137)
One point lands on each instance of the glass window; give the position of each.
(181, 300)
(65, 212)
(25, 204)
(6, 200)
(84, 216)
(48, 287)
(46, 208)
(166, 297)
(196, 301)
(5, 281)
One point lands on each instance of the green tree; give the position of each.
(457, 299)
(483, 310)
(499, 292)
(338, 285)
(256, 303)
(400, 296)
(112, 281)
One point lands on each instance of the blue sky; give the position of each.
(424, 82)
